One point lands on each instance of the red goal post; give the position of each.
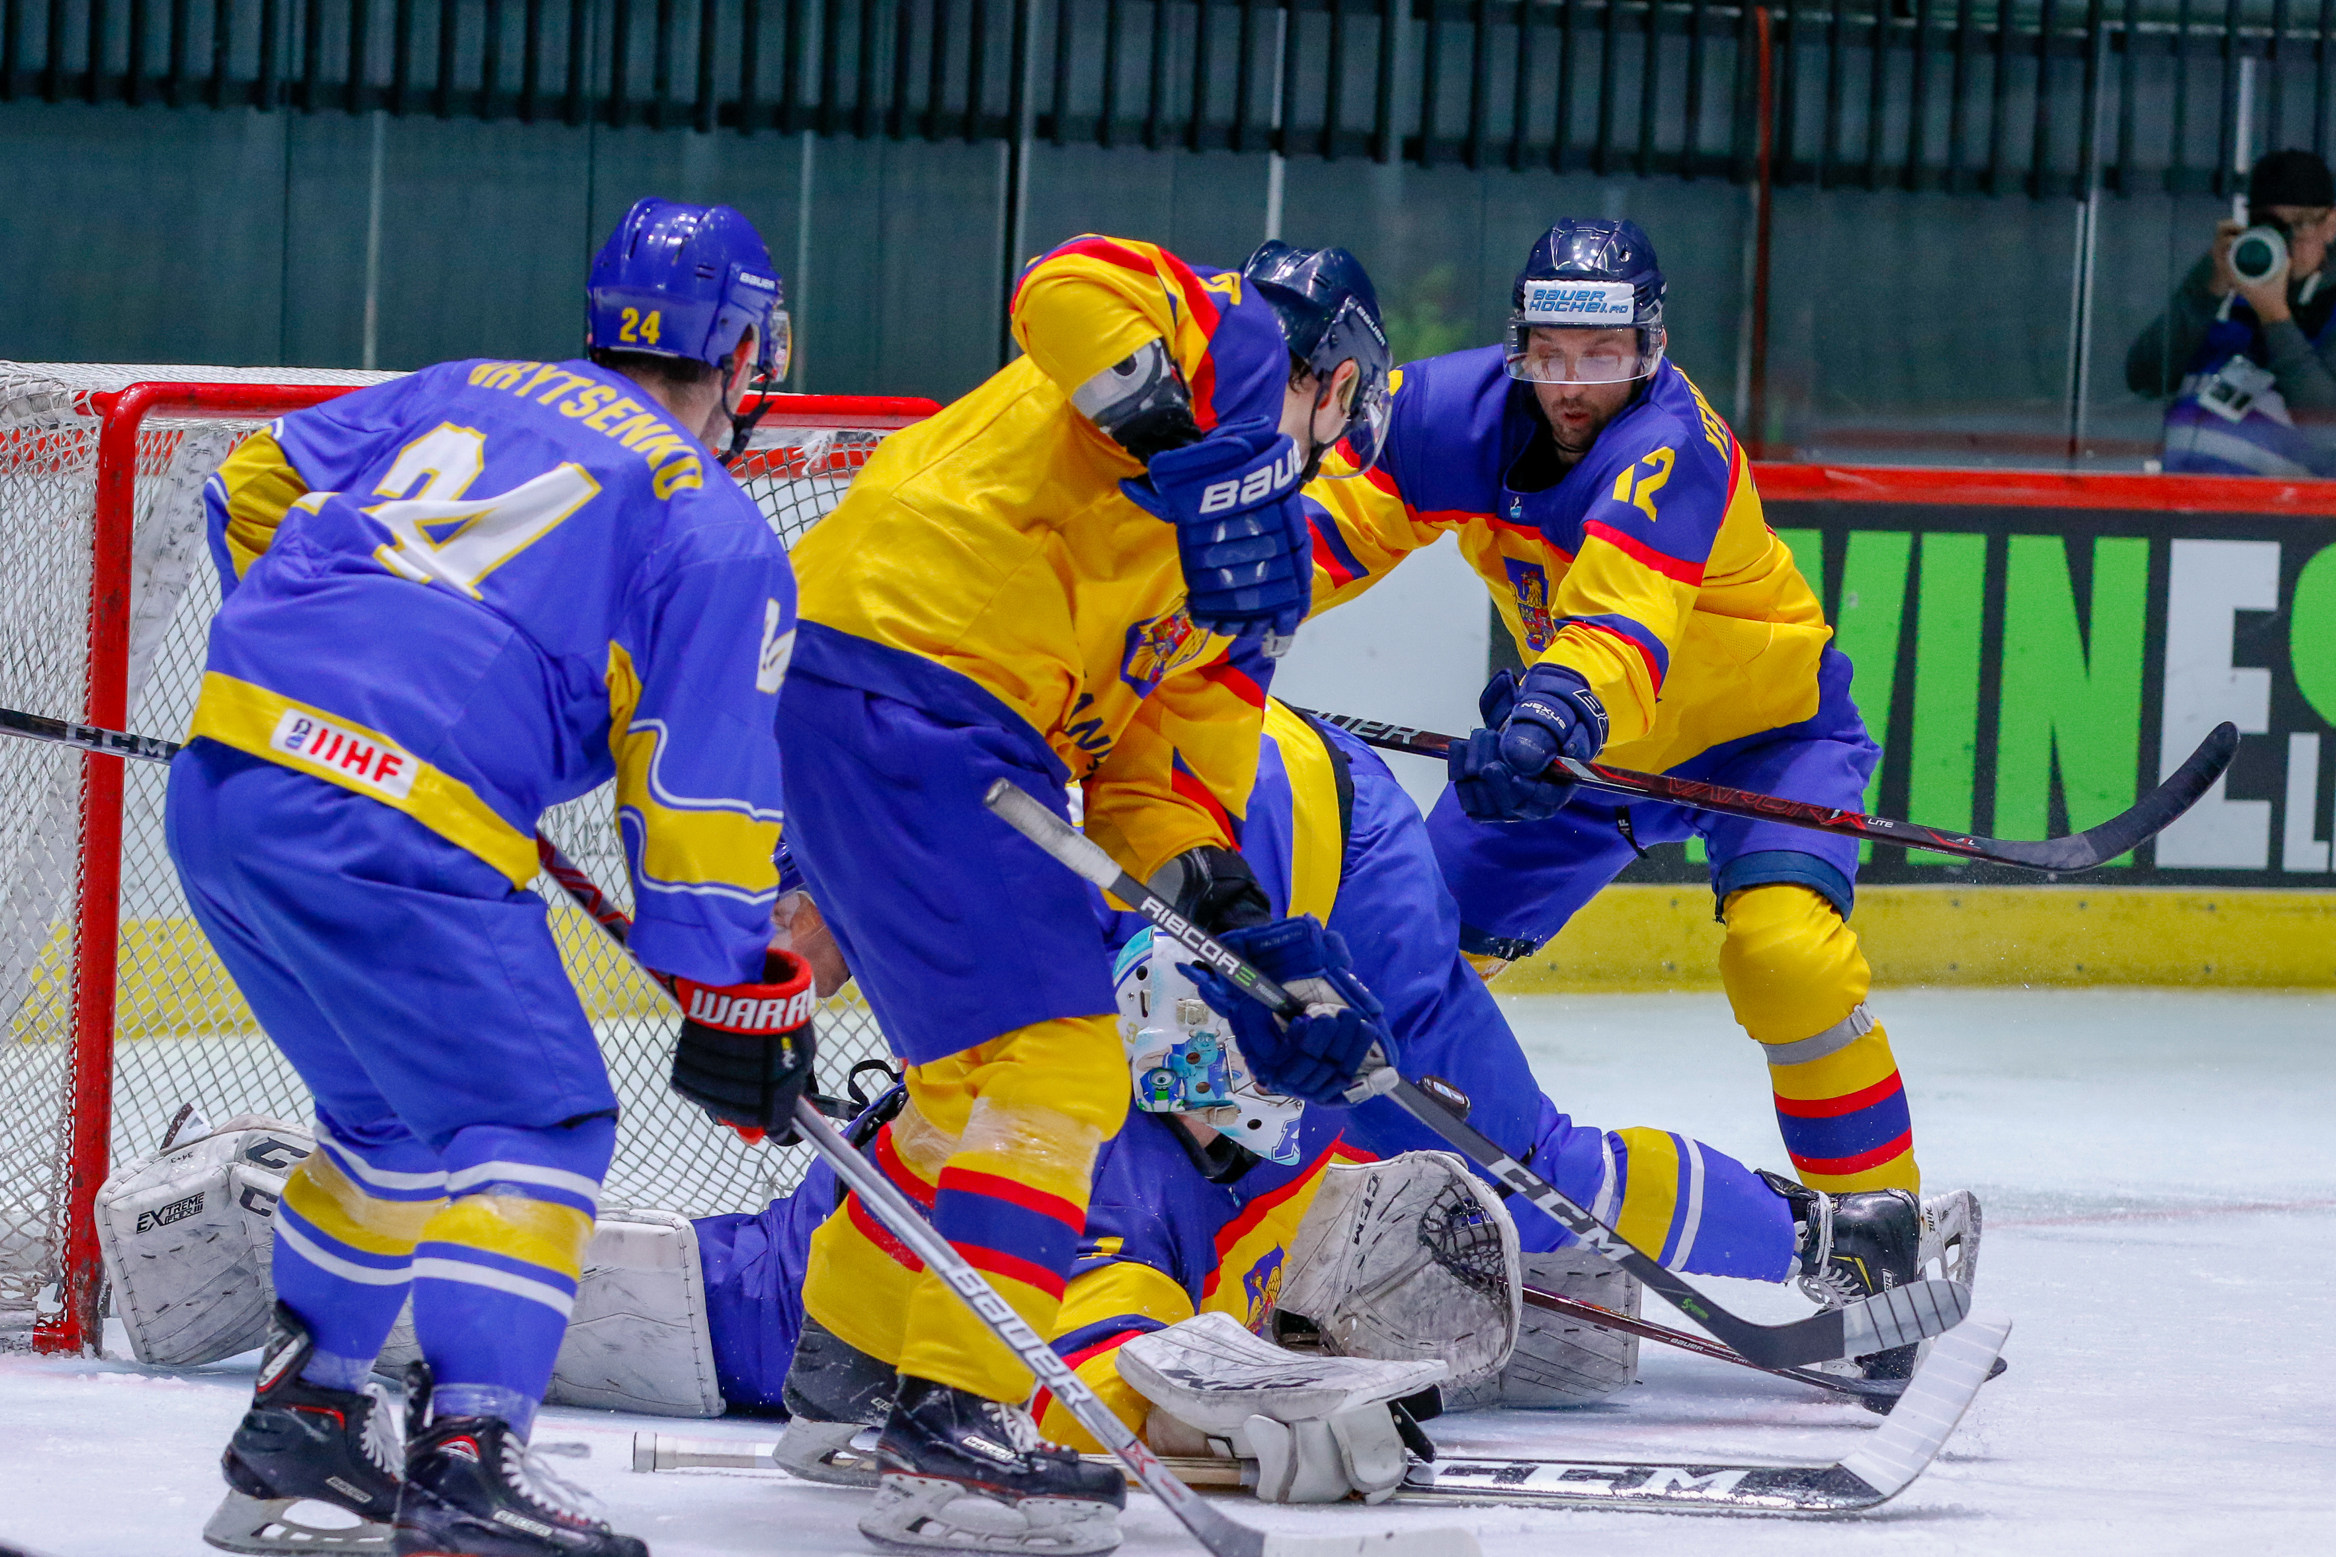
(112, 1024)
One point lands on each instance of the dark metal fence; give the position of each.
(2024, 96)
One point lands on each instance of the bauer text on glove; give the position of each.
(1241, 532)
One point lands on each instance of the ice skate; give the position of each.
(303, 1443)
(474, 1489)
(1855, 1245)
(963, 1473)
(834, 1393)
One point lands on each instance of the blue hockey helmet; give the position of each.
(687, 281)
(1587, 274)
(1330, 314)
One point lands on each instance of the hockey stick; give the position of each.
(1884, 1463)
(86, 737)
(1225, 1536)
(1873, 1394)
(1895, 1317)
(2148, 817)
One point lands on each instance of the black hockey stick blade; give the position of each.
(2148, 816)
(1893, 1318)
(86, 737)
(1881, 1467)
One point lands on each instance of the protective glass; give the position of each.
(1568, 354)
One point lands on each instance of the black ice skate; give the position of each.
(473, 1489)
(301, 1442)
(961, 1473)
(834, 1393)
(1855, 1245)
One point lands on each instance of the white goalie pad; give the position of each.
(1561, 1360)
(187, 1236)
(638, 1338)
(1317, 1426)
(1407, 1258)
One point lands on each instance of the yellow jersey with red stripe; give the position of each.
(1648, 567)
(993, 544)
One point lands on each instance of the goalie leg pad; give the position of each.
(1413, 1257)
(638, 1338)
(188, 1236)
(1563, 1361)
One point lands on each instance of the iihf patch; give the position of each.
(364, 760)
(1579, 302)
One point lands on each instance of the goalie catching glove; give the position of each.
(1318, 1054)
(746, 1049)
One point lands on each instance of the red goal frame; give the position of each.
(75, 1325)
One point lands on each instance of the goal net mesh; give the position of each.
(182, 1034)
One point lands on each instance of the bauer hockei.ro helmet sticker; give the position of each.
(1579, 302)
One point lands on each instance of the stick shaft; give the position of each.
(2079, 851)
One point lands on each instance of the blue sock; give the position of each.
(485, 1400)
(329, 1370)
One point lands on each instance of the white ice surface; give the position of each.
(2159, 1175)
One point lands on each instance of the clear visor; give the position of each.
(1365, 438)
(1576, 354)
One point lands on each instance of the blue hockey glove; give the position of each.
(1241, 532)
(1497, 773)
(1315, 1056)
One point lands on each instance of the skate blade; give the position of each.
(926, 1513)
(827, 1452)
(267, 1525)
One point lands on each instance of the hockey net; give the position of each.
(178, 1033)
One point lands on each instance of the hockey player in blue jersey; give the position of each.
(454, 600)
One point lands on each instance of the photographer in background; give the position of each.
(2245, 345)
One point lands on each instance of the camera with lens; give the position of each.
(2260, 252)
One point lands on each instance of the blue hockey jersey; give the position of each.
(489, 587)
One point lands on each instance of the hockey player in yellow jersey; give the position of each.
(1663, 626)
(1039, 584)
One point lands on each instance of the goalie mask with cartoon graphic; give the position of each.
(1182, 1059)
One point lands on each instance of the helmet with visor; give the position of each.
(1329, 314)
(1588, 307)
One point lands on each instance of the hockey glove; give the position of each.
(1500, 773)
(746, 1049)
(1241, 532)
(1315, 1056)
(1214, 888)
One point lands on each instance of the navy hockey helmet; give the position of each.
(1330, 314)
(687, 281)
(1587, 274)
